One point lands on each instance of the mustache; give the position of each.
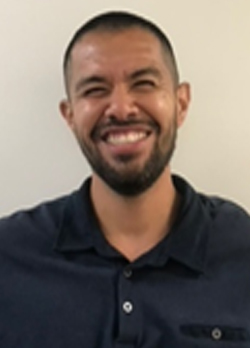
(100, 129)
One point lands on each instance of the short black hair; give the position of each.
(120, 20)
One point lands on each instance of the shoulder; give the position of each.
(203, 210)
(34, 226)
(225, 212)
(38, 228)
(229, 232)
(43, 212)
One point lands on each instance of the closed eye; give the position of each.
(144, 84)
(98, 91)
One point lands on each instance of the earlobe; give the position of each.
(183, 100)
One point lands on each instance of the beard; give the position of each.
(133, 182)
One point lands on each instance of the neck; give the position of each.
(134, 225)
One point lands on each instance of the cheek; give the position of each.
(165, 102)
(86, 116)
(161, 109)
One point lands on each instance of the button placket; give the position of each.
(128, 330)
(127, 305)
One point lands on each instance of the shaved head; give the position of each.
(113, 22)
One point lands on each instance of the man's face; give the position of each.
(124, 107)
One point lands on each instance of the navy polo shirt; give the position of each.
(63, 286)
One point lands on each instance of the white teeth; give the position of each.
(128, 138)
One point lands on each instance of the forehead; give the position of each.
(122, 51)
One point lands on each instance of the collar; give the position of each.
(77, 222)
(189, 236)
(186, 243)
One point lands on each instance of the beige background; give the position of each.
(39, 158)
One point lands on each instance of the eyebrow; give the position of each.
(89, 80)
(145, 71)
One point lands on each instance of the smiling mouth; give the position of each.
(125, 138)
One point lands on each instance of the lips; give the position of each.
(129, 137)
(126, 140)
(115, 134)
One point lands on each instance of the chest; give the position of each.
(65, 304)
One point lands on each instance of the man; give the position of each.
(135, 258)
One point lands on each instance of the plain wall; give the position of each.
(39, 157)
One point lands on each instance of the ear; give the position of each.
(183, 100)
(66, 112)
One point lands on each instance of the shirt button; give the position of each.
(127, 307)
(216, 334)
(127, 272)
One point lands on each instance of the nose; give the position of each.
(121, 105)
